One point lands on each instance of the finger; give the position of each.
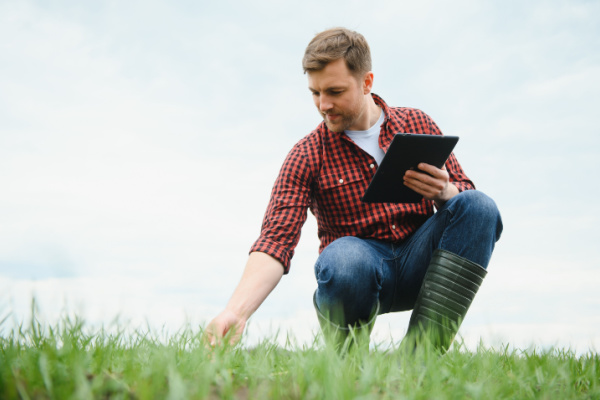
(213, 334)
(420, 178)
(429, 169)
(416, 174)
(235, 338)
(417, 185)
(208, 338)
(427, 187)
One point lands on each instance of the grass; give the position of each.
(67, 361)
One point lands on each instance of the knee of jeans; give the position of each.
(478, 203)
(343, 266)
(480, 206)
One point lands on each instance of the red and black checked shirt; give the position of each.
(328, 173)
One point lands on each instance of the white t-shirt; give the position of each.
(369, 140)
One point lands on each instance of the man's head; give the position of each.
(336, 43)
(338, 64)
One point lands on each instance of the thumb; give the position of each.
(213, 333)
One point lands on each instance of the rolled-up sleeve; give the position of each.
(287, 209)
(457, 175)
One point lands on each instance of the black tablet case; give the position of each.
(406, 151)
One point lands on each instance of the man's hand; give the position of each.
(226, 322)
(431, 182)
(261, 275)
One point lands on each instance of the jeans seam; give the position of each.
(384, 261)
(451, 215)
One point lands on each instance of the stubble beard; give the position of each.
(345, 121)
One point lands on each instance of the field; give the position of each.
(68, 361)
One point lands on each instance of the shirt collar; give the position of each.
(379, 101)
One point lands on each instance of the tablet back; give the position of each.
(405, 152)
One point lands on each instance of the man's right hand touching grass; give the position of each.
(260, 277)
(227, 322)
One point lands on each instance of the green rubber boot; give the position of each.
(342, 338)
(448, 289)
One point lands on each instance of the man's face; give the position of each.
(339, 97)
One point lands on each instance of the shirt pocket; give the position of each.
(338, 198)
(340, 179)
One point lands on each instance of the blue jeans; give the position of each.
(355, 275)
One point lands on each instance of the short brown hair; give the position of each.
(336, 43)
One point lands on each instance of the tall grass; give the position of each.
(69, 360)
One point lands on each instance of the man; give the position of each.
(373, 257)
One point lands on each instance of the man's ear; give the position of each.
(368, 82)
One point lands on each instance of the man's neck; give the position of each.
(373, 111)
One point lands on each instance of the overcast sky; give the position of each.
(139, 142)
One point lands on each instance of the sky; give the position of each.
(139, 142)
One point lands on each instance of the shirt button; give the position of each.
(393, 226)
(372, 166)
(341, 181)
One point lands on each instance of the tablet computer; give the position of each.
(406, 151)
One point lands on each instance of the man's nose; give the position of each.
(325, 104)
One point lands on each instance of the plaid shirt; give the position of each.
(328, 173)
